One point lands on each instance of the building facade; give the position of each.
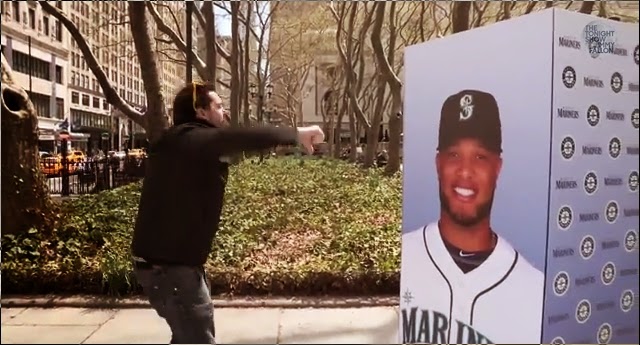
(48, 63)
(35, 47)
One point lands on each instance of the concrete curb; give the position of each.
(103, 302)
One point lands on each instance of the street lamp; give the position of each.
(262, 98)
(269, 90)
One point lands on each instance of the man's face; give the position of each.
(467, 173)
(215, 113)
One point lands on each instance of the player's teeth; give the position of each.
(464, 191)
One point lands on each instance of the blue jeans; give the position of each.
(180, 295)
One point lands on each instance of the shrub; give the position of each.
(288, 227)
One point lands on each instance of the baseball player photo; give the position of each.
(465, 283)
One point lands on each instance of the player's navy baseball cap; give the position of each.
(470, 114)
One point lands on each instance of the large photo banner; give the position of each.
(476, 174)
(592, 265)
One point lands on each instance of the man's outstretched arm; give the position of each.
(230, 140)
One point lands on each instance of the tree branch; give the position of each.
(109, 91)
(165, 29)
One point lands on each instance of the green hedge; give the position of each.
(289, 227)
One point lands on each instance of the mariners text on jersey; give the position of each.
(424, 326)
(500, 301)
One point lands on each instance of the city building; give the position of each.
(48, 63)
(103, 24)
(35, 47)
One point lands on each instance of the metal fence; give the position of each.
(65, 177)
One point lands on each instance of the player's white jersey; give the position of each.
(498, 302)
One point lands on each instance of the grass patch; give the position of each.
(289, 227)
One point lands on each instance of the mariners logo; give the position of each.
(611, 212)
(590, 183)
(635, 118)
(568, 148)
(604, 333)
(466, 107)
(587, 247)
(565, 217)
(569, 77)
(583, 311)
(593, 116)
(627, 300)
(635, 55)
(608, 273)
(615, 147)
(557, 341)
(616, 82)
(630, 240)
(633, 181)
(561, 283)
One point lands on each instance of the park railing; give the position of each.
(65, 177)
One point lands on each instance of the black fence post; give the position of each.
(64, 150)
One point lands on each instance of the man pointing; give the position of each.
(181, 204)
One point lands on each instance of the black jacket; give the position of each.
(183, 189)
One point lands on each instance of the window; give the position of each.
(105, 105)
(45, 25)
(75, 97)
(30, 65)
(85, 100)
(58, 30)
(16, 10)
(96, 102)
(59, 75)
(73, 80)
(41, 104)
(59, 108)
(32, 18)
(129, 96)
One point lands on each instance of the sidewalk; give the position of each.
(64, 325)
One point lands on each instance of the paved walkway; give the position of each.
(370, 325)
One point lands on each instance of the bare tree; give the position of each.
(25, 199)
(385, 62)
(154, 120)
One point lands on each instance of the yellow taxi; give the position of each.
(51, 165)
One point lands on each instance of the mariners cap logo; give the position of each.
(616, 82)
(561, 283)
(633, 181)
(630, 240)
(565, 217)
(583, 311)
(635, 118)
(611, 212)
(593, 115)
(604, 333)
(466, 107)
(635, 55)
(569, 77)
(568, 148)
(557, 341)
(608, 273)
(591, 183)
(615, 147)
(627, 300)
(587, 247)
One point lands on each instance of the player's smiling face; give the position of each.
(468, 174)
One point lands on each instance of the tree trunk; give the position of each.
(460, 17)
(587, 7)
(235, 77)
(25, 199)
(210, 44)
(373, 131)
(156, 115)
